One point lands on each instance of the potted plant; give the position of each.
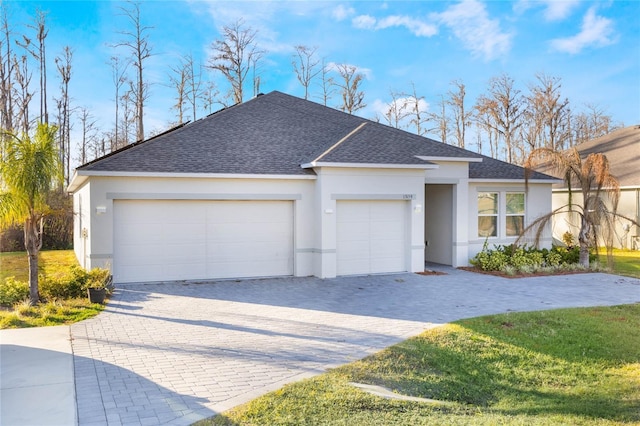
(100, 283)
(97, 294)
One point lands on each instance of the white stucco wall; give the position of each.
(315, 201)
(314, 208)
(537, 204)
(103, 190)
(336, 184)
(82, 224)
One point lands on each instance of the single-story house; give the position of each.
(281, 186)
(622, 149)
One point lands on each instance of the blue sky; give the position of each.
(594, 47)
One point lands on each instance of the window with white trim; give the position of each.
(487, 214)
(514, 217)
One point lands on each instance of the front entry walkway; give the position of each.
(175, 353)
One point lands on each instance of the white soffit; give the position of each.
(450, 159)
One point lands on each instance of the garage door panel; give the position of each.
(134, 232)
(175, 240)
(372, 237)
(148, 253)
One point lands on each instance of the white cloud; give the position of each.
(480, 34)
(558, 10)
(415, 26)
(340, 12)
(596, 31)
(555, 10)
(364, 22)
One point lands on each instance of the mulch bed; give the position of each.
(519, 274)
(428, 272)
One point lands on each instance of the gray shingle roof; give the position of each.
(277, 133)
(490, 168)
(622, 148)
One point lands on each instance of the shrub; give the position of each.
(490, 260)
(553, 258)
(567, 239)
(512, 258)
(73, 284)
(13, 291)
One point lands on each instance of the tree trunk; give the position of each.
(32, 244)
(583, 239)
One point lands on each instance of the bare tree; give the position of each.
(22, 81)
(6, 73)
(193, 84)
(505, 105)
(234, 55)
(137, 42)
(396, 110)
(327, 83)
(415, 110)
(210, 97)
(127, 104)
(305, 64)
(118, 76)
(63, 64)
(547, 115)
(461, 117)
(39, 53)
(485, 124)
(442, 120)
(178, 82)
(591, 124)
(89, 134)
(349, 87)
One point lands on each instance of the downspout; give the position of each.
(638, 211)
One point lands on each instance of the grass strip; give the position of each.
(569, 366)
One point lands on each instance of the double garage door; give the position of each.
(175, 240)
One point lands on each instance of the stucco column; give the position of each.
(460, 255)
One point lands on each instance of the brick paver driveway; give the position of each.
(175, 353)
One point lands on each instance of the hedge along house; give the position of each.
(281, 186)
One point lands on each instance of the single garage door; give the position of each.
(181, 240)
(372, 237)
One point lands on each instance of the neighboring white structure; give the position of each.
(622, 148)
(281, 186)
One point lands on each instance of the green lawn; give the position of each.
(626, 262)
(570, 366)
(50, 263)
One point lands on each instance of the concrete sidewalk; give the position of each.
(36, 377)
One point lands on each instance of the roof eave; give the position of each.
(77, 181)
(316, 164)
(450, 159)
(85, 174)
(487, 180)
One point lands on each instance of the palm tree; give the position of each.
(30, 169)
(597, 208)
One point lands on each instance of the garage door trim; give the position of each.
(203, 197)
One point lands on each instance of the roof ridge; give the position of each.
(335, 145)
